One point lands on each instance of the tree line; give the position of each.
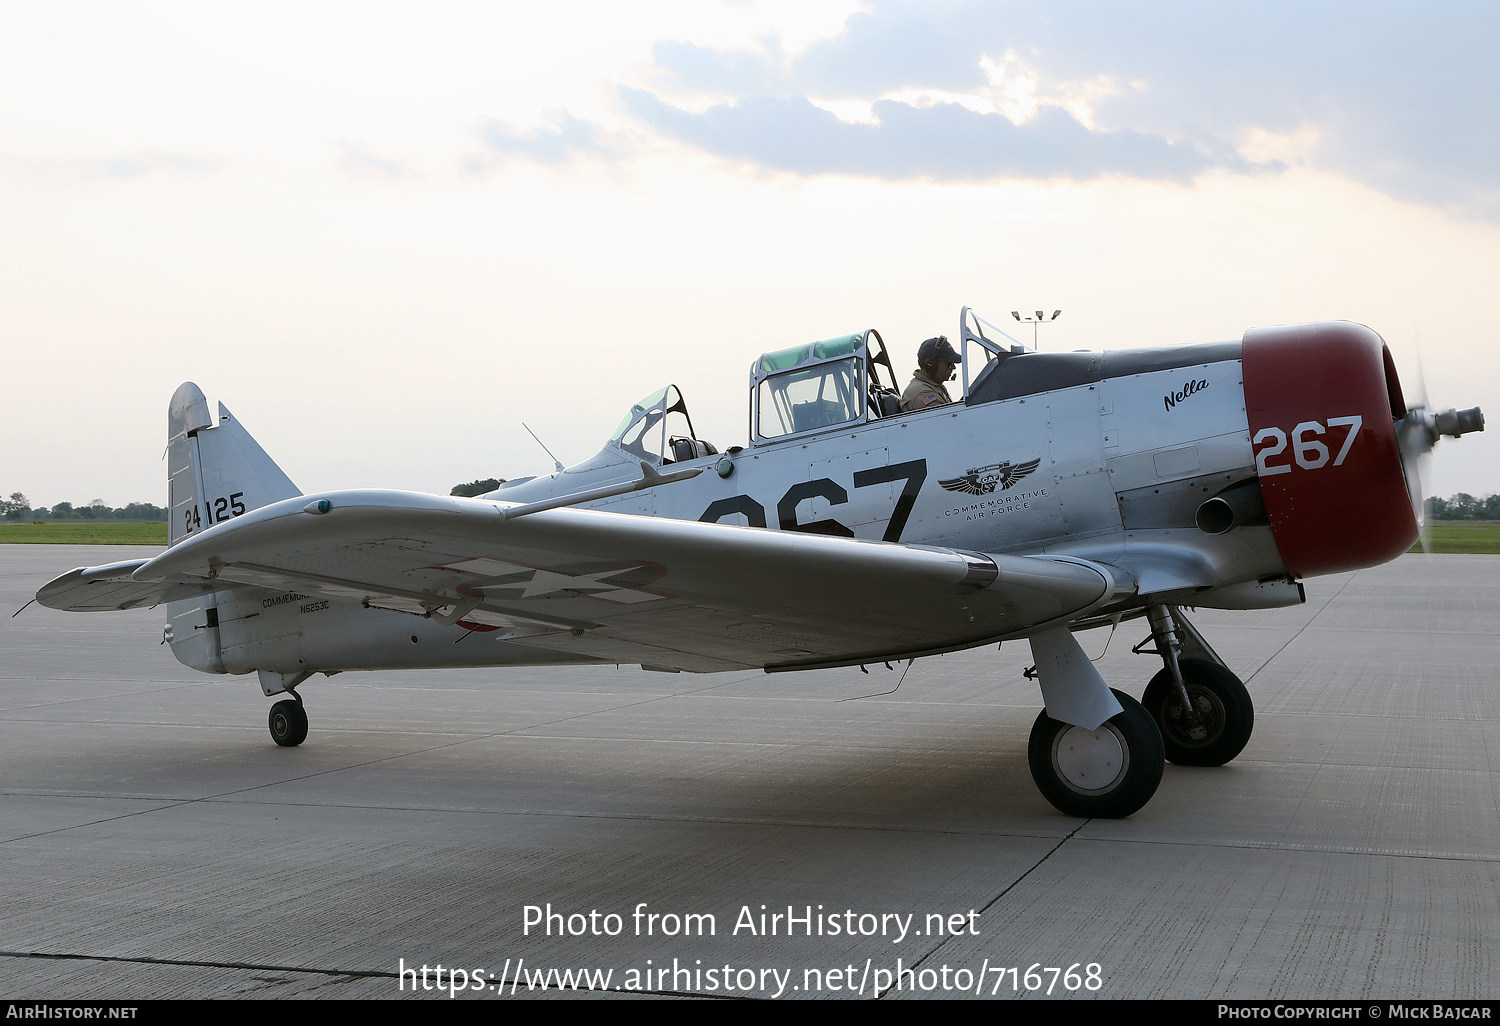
(473, 488)
(1464, 506)
(18, 508)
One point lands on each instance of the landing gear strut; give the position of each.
(1110, 771)
(288, 722)
(1203, 710)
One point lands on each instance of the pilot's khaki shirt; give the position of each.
(923, 393)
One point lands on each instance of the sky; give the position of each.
(387, 235)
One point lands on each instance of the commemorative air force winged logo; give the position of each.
(982, 480)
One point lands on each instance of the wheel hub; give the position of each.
(1090, 761)
(1202, 724)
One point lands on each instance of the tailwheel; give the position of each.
(1108, 772)
(288, 723)
(1224, 714)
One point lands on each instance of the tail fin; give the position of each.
(214, 473)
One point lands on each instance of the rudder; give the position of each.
(214, 473)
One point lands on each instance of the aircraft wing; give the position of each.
(93, 589)
(664, 593)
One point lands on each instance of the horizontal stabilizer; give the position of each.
(95, 589)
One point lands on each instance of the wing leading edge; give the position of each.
(670, 593)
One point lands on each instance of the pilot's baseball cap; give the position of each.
(935, 349)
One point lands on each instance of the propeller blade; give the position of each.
(1416, 436)
(1418, 393)
(1417, 433)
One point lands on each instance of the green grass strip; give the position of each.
(85, 532)
(1447, 535)
(1463, 536)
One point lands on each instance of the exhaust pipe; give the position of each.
(1235, 506)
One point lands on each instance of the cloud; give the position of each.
(571, 139)
(1398, 96)
(119, 167)
(358, 160)
(941, 142)
(146, 162)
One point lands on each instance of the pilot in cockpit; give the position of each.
(936, 361)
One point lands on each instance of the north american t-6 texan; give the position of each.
(1058, 492)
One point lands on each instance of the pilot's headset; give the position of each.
(932, 351)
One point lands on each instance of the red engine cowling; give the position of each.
(1322, 400)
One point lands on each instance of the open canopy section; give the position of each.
(989, 338)
(658, 429)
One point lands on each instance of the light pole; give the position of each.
(1035, 322)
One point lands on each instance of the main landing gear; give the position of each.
(1109, 772)
(1195, 712)
(1094, 751)
(1203, 710)
(1221, 720)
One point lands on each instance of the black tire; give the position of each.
(288, 723)
(1226, 713)
(1066, 760)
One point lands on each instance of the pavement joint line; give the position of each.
(581, 814)
(309, 776)
(96, 698)
(348, 973)
(1314, 849)
(169, 684)
(593, 738)
(239, 725)
(701, 694)
(166, 804)
(1311, 620)
(1476, 857)
(513, 732)
(991, 903)
(193, 963)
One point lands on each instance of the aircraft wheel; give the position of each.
(288, 722)
(1109, 772)
(1225, 714)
